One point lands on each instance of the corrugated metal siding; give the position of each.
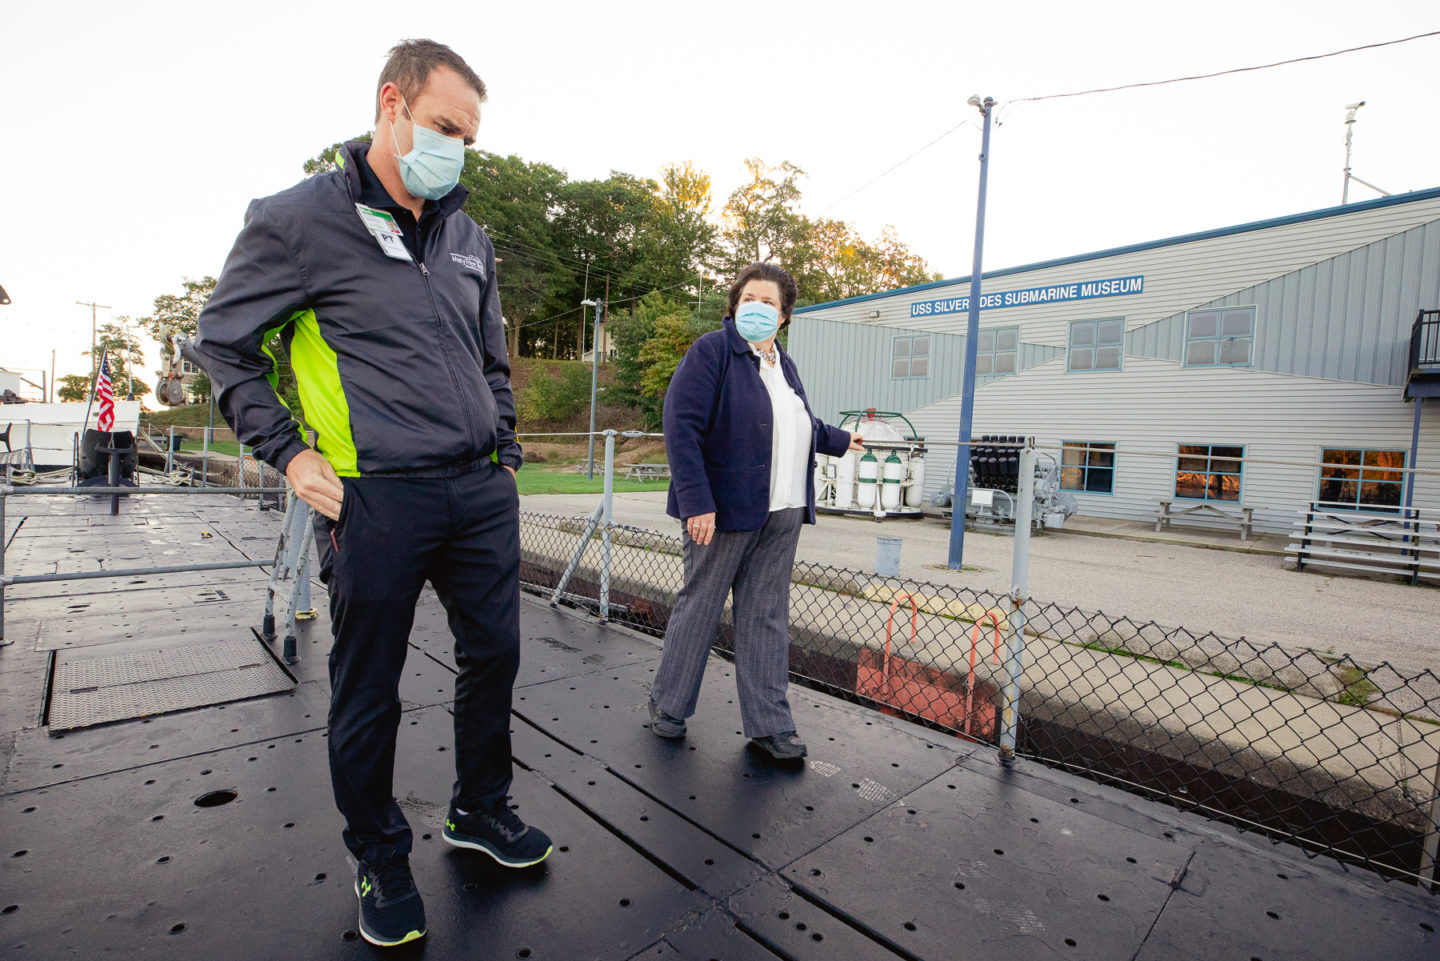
(1177, 277)
(848, 366)
(1154, 405)
(1345, 318)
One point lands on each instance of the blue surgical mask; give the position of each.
(432, 167)
(757, 321)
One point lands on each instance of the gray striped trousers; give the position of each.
(756, 566)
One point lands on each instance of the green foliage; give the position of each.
(555, 394)
(324, 161)
(200, 388)
(649, 341)
(72, 387)
(179, 312)
(123, 348)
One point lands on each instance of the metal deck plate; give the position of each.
(89, 690)
(266, 875)
(772, 812)
(973, 858)
(1234, 903)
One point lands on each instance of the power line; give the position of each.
(1222, 73)
(890, 170)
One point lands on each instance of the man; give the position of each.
(384, 293)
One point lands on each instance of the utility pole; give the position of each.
(972, 338)
(51, 397)
(94, 357)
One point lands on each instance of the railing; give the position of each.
(1337, 756)
(1425, 343)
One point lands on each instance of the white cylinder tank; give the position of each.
(869, 475)
(845, 481)
(915, 493)
(894, 474)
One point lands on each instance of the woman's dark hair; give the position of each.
(777, 275)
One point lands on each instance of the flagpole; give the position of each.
(91, 401)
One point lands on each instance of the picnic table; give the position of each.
(1170, 510)
(644, 472)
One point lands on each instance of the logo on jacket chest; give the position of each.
(470, 262)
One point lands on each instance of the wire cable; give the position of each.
(887, 172)
(1222, 73)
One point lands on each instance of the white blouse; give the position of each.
(789, 439)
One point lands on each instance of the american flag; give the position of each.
(105, 393)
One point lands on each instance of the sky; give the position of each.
(135, 134)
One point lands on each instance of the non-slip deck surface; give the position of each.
(891, 842)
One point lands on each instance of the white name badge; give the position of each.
(385, 230)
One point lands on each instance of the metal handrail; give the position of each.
(1425, 341)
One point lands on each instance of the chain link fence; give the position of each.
(1338, 756)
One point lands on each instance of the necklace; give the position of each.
(769, 355)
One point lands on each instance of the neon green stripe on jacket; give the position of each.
(317, 374)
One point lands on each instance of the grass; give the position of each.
(532, 480)
(217, 447)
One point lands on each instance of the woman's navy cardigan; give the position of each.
(718, 433)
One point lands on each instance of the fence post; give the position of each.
(4, 543)
(242, 470)
(205, 457)
(606, 519)
(1428, 857)
(1019, 594)
(170, 451)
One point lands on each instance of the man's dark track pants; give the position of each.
(458, 528)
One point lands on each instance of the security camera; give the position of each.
(1355, 106)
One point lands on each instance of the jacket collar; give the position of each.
(351, 160)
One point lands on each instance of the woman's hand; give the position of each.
(701, 528)
(856, 441)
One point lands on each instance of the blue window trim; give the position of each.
(1219, 337)
(1210, 456)
(993, 353)
(910, 337)
(1360, 477)
(1089, 446)
(1069, 345)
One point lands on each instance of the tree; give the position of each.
(762, 219)
(123, 349)
(180, 313)
(73, 387)
(324, 161)
(650, 340)
(199, 388)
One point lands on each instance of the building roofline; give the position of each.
(1406, 198)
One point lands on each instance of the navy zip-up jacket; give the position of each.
(401, 364)
(718, 433)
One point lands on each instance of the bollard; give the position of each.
(887, 556)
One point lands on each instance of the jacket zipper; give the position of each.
(449, 364)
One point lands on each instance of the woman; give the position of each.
(741, 441)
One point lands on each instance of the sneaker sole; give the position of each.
(669, 736)
(778, 757)
(379, 942)
(467, 844)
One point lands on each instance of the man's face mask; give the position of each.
(432, 167)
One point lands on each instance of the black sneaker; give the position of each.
(500, 833)
(782, 747)
(391, 911)
(663, 725)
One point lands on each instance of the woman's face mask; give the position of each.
(757, 321)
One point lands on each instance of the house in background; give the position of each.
(1201, 368)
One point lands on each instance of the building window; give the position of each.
(1096, 344)
(1208, 473)
(910, 356)
(1088, 467)
(997, 351)
(1356, 479)
(1219, 338)
(188, 368)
